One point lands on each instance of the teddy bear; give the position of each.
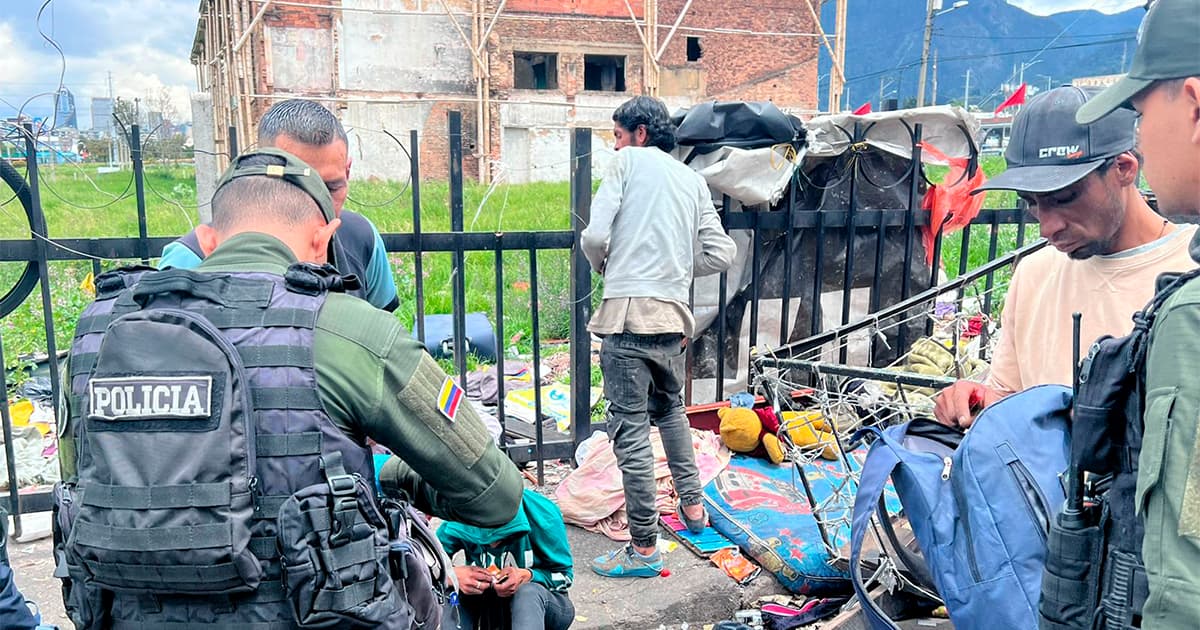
(756, 431)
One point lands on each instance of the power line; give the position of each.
(1123, 35)
(913, 64)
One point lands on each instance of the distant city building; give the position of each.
(64, 109)
(102, 109)
(153, 121)
(1101, 81)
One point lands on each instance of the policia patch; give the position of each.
(144, 397)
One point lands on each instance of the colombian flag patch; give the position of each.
(449, 398)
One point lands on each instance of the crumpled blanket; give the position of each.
(593, 498)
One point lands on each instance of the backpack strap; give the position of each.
(876, 470)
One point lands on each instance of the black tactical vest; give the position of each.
(213, 490)
(1094, 575)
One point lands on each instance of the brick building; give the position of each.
(522, 72)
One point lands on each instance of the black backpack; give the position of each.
(1094, 576)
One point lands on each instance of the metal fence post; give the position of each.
(139, 183)
(414, 179)
(458, 290)
(581, 286)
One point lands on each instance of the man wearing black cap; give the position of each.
(1080, 181)
(1163, 85)
(198, 470)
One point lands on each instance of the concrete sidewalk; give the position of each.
(696, 592)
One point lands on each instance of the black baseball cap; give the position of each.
(1049, 151)
(293, 170)
(1168, 48)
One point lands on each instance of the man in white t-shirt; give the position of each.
(1080, 182)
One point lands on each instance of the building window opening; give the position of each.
(694, 51)
(605, 73)
(535, 71)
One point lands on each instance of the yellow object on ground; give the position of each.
(810, 429)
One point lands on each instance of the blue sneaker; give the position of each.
(625, 562)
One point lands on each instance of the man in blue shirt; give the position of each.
(312, 133)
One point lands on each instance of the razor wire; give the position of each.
(837, 402)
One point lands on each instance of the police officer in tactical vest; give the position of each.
(215, 467)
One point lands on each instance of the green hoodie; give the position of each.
(535, 539)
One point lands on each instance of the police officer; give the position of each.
(313, 134)
(1163, 85)
(320, 386)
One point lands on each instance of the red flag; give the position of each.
(865, 108)
(1017, 98)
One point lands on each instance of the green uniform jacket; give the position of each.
(376, 381)
(534, 539)
(1168, 485)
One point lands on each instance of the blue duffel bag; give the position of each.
(980, 504)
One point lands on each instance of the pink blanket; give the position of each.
(592, 496)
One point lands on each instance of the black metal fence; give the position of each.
(824, 248)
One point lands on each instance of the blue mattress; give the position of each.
(761, 507)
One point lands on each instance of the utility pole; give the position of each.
(933, 95)
(929, 9)
(838, 55)
(967, 92)
(933, 8)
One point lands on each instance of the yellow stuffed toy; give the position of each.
(811, 428)
(743, 432)
(751, 431)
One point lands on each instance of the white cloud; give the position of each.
(1048, 7)
(145, 44)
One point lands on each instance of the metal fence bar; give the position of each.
(818, 277)
(10, 456)
(880, 236)
(537, 365)
(414, 175)
(848, 266)
(458, 267)
(914, 187)
(722, 297)
(500, 350)
(581, 287)
(139, 183)
(788, 237)
(755, 271)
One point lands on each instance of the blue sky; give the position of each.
(146, 44)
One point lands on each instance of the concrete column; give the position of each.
(205, 158)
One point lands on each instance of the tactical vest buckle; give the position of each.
(342, 485)
(313, 279)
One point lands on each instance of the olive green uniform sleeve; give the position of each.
(1168, 472)
(378, 382)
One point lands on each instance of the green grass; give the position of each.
(79, 203)
(979, 244)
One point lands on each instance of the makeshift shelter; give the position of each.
(757, 159)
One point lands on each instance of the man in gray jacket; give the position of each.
(653, 229)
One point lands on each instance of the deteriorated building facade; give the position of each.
(522, 72)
